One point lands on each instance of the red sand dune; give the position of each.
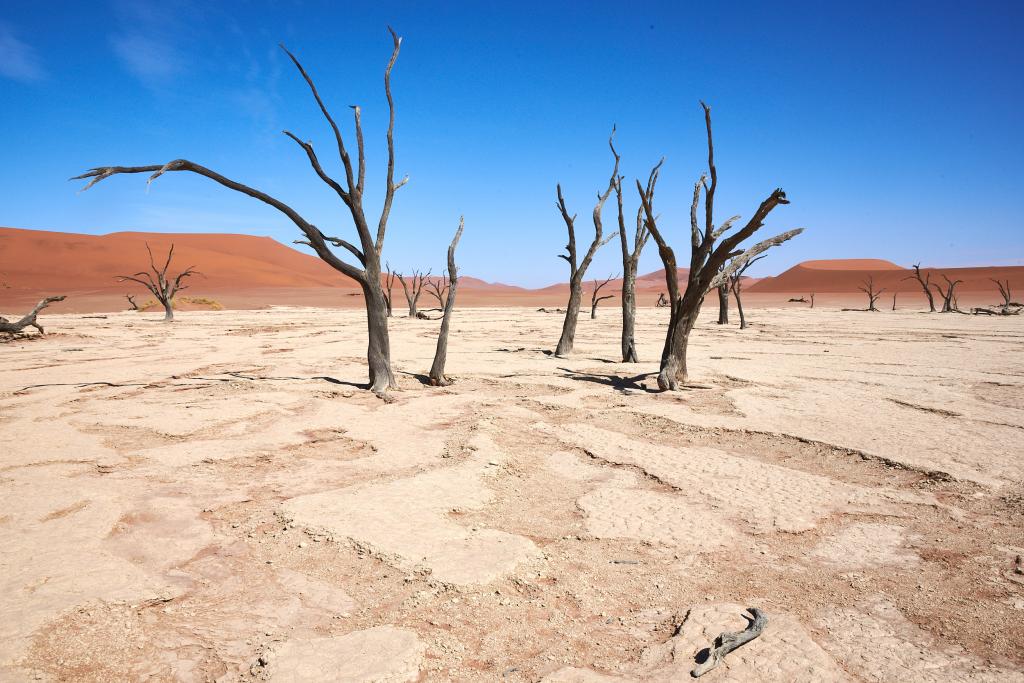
(804, 278)
(243, 271)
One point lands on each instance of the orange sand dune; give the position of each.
(811, 276)
(50, 261)
(245, 272)
(851, 264)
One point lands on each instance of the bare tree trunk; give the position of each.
(868, 287)
(595, 299)
(894, 301)
(437, 377)
(29, 319)
(572, 312)
(708, 269)
(158, 283)
(673, 374)
(413, 291)
(370, 245)
(577, 270)
(739, 309)
(630, 260)
(378, 351)
(629, 354)
(925, 283)
(812, 299)
(723, 304)
(131, 302)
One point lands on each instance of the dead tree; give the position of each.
(867, 287)
(578, 269)
(925, 283)
(414, 289)
(131, 302)
(812, 299)
(948, 296)
(29, 320)
(439, 289)
(894, 301)
(595, 299)
(1004, 291)
(367, 273)
(723, 304)
(736, 284)
(437, 377)
(662, 301)
(630, 261)
(162, 287)
(706, 260)
(389, 282)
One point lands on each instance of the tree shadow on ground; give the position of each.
(615, 381)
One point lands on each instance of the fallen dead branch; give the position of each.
(730, 640)
(29, 320)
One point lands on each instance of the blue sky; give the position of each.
(895, 128)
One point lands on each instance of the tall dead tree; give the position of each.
(157, 282)
(367, 273)
(868, 287)
(1004, 291)
(414, 289)
(630, 261)
(812, 299)
(389, 283)
(925, 283)
(29, 319)
(736, 285)
(595, 299)
(706, 259)
(949, 295)
(578, 269)
(894, 301)
(437, 377)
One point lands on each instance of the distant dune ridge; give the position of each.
(245, 271)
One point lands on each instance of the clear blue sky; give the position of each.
(896, 128)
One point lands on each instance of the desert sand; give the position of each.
(245, 272)
(218, 499)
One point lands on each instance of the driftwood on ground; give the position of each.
(29, 320)
(730, 640)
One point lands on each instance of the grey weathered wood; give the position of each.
(29, 319)
(413, 290)
(595, 299)
(162, 287)
(578, 268)
(925, 283)
(437, 376)
(949, 295)
(730, 640)
(736, 285)
(707, 260)
(368, 251)
(630, 262)
(868, 287)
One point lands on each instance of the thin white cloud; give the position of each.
(147, 57)
(148, 37)
(18, 60)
